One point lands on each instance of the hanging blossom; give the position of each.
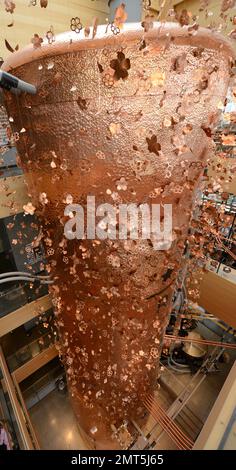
(9, 6)
(37, 41)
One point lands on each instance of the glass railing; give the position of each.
(18, 296)
(12, 299)
(28, 352)
(43, 386)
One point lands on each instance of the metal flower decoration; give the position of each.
(121, 65)
(153, 145)
(37, 41)
(50, 35)
(108, 79)
(43, 3)
(147, 4)
(115, 29)
(9, 6)
(76, 25)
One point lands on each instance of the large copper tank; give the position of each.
(124, 118)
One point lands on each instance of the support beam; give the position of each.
(18, 412)
(34, 364)
(218, 296)
(24, 314)
(32, 431)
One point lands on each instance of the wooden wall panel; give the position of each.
(218, 296)
(36, 363)
(29, 20)
(219, 418)
(24, 314)
(13, 195)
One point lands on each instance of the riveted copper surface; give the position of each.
(124, 120)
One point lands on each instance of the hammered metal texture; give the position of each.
(145, 126)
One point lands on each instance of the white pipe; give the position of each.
(21, 278)
(22, 273)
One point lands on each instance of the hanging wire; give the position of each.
(22, 273)
(168, 431)
(24, 276)
(170, 422)
(200, 341)
(174, 432)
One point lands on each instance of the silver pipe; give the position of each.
(22, 278)
(15, 85)
(22, 273)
